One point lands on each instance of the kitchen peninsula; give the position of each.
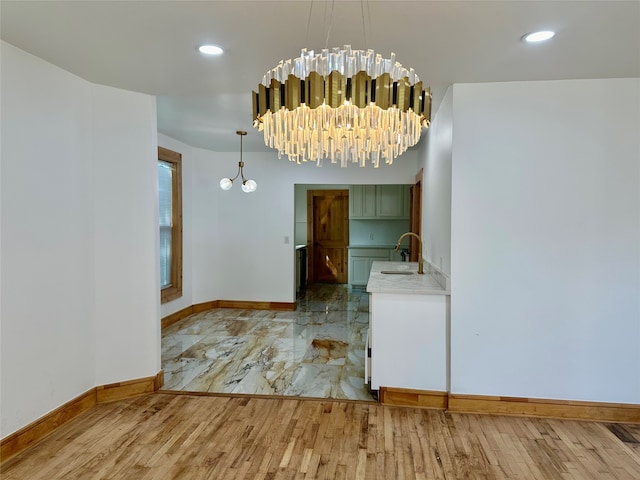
(408, 327)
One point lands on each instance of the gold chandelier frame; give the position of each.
(346, 105)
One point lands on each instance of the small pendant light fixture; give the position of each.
(248, 186)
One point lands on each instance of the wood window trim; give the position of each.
(174, 290)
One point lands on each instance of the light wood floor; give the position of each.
(167, 436)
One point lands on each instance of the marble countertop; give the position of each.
(371, 246)
(433, 282)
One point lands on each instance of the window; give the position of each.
(170, 200)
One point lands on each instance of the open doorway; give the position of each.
(318, 350)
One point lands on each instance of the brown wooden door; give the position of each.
(328, 235)
(415, 216)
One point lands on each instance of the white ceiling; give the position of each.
(150, 47)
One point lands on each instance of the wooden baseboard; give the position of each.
(158, 381)
(203, 307)
(130, 388)
(413, 398)
(265, 396)
(31, 434)
(535, 407)
(513, 406)
(257, 305)
(176, 317)
(35, 431)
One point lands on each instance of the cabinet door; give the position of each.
(362, 201)
(369, 201)
(359, 270)
(408, 331)
(355, 201)
(406, 200)
(390, 201)
(360, 262)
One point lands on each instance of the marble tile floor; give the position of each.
(316, 351)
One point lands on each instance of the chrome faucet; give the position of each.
(420, 259)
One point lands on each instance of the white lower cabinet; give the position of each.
(359, 270)
(409, 338)
(360, 261)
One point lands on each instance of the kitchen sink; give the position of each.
(396, 272)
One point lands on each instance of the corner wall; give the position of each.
(79, 274)
(47, 328)
(125, 225)
(545, 240)
(207, 232)
(435, 160)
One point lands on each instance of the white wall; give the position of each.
(207, 231)
(77, 201)
(546, 240)
(237, 240)
(435, 160)
(245, 248)
(48, 333)
(125, 187)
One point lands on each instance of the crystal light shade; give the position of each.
(346, 105)
(248, 186)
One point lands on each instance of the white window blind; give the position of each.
(165, 174)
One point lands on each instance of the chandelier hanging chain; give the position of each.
(326, 43)
(309, 21)
(364, 30)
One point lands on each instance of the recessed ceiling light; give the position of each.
(540, 36)
(210, 49)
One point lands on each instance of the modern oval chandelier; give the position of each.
(346, 105)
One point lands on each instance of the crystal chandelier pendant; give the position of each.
(349, 106)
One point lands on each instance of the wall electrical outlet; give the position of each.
(371, 236)
(286, 239)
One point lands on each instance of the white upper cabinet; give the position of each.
(362, 201)
(378, 202)
(390, 201)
